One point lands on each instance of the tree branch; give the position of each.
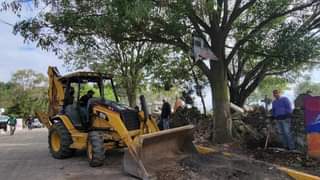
(262, 24)
(237, 12)
(252, 73)
(203, 67)
(225, 13)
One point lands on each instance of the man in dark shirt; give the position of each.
(70, 97)
(84, 99)
(12, 121)
(165, 114)
(84, 115)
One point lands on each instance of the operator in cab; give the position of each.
(84, 114)
(85, 98)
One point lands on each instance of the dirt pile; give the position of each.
(218, 166)
(259, 125)
(250, 132)
(250, 129)
(203, 124)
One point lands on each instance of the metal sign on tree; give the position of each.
(200, 50)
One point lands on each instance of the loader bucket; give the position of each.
(44, 119)
(156, 150)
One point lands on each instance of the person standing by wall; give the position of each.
(165, 114)
(12, 121)
(281, 112)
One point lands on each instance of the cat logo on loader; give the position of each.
(103, 124)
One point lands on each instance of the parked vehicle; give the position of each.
(3, 122)
(36, 124)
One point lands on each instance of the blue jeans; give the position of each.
(165, 122)
(283, 127)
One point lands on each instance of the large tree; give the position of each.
(282, 48)
(129, 62)
(28, 79)
(305, 86)
(218, 22)
(25, 93)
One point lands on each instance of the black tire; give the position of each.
(62, 150)
(95, 148)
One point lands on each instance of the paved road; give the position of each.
(25, 156)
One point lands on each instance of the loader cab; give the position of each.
(76, 86)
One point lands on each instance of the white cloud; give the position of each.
(15, 54)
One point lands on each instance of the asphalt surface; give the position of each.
(25, 156)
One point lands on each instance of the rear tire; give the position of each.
(60, 141)
(95, 148)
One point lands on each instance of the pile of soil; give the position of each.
(219, 166)
(203, 123)
(250, 134)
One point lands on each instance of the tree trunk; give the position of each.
(203, 104)
(236, 97)
(132, 97)
(131, 92)
(222, 122)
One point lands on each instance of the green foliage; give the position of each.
(252, 39)
(108, 91)
(6, 90)
(109, 94)
(266, 87)
(131, 64)
(28, 78)
(25, 94)
(268, 37)
(305, 86)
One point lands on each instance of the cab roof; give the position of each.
(81, 75)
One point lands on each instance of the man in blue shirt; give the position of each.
(281, 112)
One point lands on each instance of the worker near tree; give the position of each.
(281, 112)
(165, 114)
(12, 121)
(178, 105)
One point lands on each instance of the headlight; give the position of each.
(102, 115)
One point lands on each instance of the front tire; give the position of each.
(60, 141)
(95, 148)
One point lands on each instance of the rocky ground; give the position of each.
(250, 132)
(217, 166)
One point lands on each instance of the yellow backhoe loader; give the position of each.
(102, 123)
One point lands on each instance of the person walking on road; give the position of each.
(29, 122)
(165, 114)
(281, 112)
(12, 121)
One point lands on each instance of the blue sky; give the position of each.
(15, 54)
